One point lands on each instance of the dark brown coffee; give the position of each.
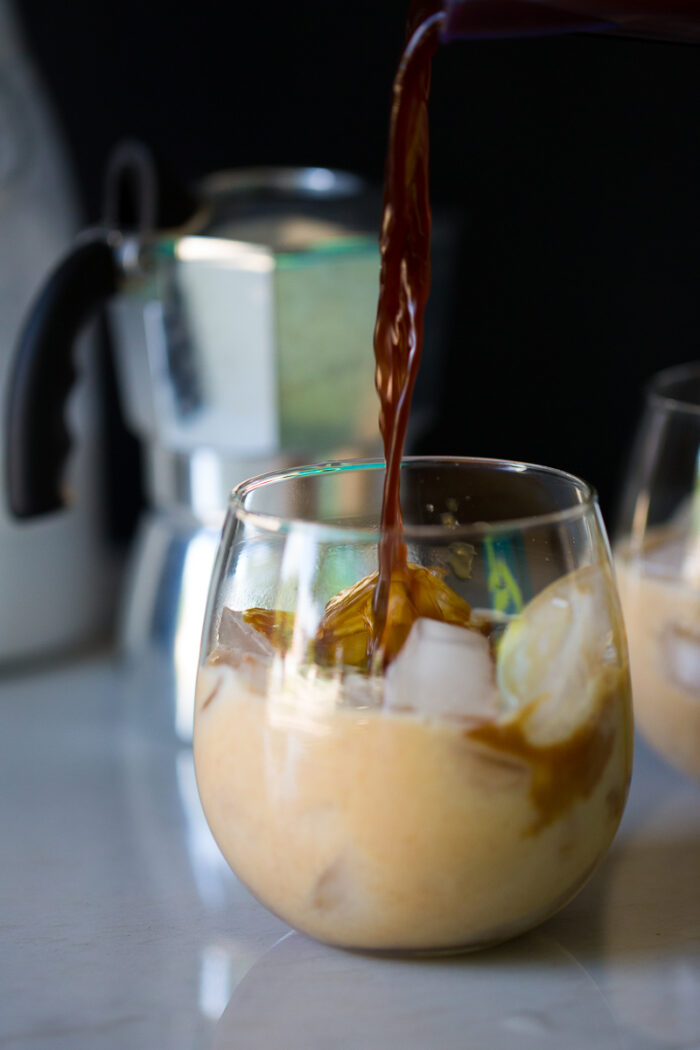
(404, 281)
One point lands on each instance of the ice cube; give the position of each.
(243, 648)
(552, 657)
(443, 671)
(239, 638)
(680, 649)
(361, 691)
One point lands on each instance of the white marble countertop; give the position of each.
(121, 926)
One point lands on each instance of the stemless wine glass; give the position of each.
(458, 790)
(658, 567)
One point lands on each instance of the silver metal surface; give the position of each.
(314, 183)
(253, 338)
(162, 617)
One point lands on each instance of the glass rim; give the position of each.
(279, 523)
(658, 395)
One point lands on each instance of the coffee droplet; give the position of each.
(460, 559)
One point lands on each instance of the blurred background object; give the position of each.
(57, 576)
(658, 567)
(653, 19)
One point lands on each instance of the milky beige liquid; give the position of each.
(387, 830)
(662, 617)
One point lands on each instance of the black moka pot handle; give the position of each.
(37, 440)
(141, 196)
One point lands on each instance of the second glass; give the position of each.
(457, 787)
(658, 567)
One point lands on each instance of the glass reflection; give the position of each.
(527, 995)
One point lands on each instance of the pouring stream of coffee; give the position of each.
(404, 280)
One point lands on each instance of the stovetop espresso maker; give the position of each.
(242, 343)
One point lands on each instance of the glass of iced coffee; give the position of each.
(658, 567)
(431, 761)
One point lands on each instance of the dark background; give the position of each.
(570, 167)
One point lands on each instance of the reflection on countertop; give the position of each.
(123, 927)
(529, 993)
